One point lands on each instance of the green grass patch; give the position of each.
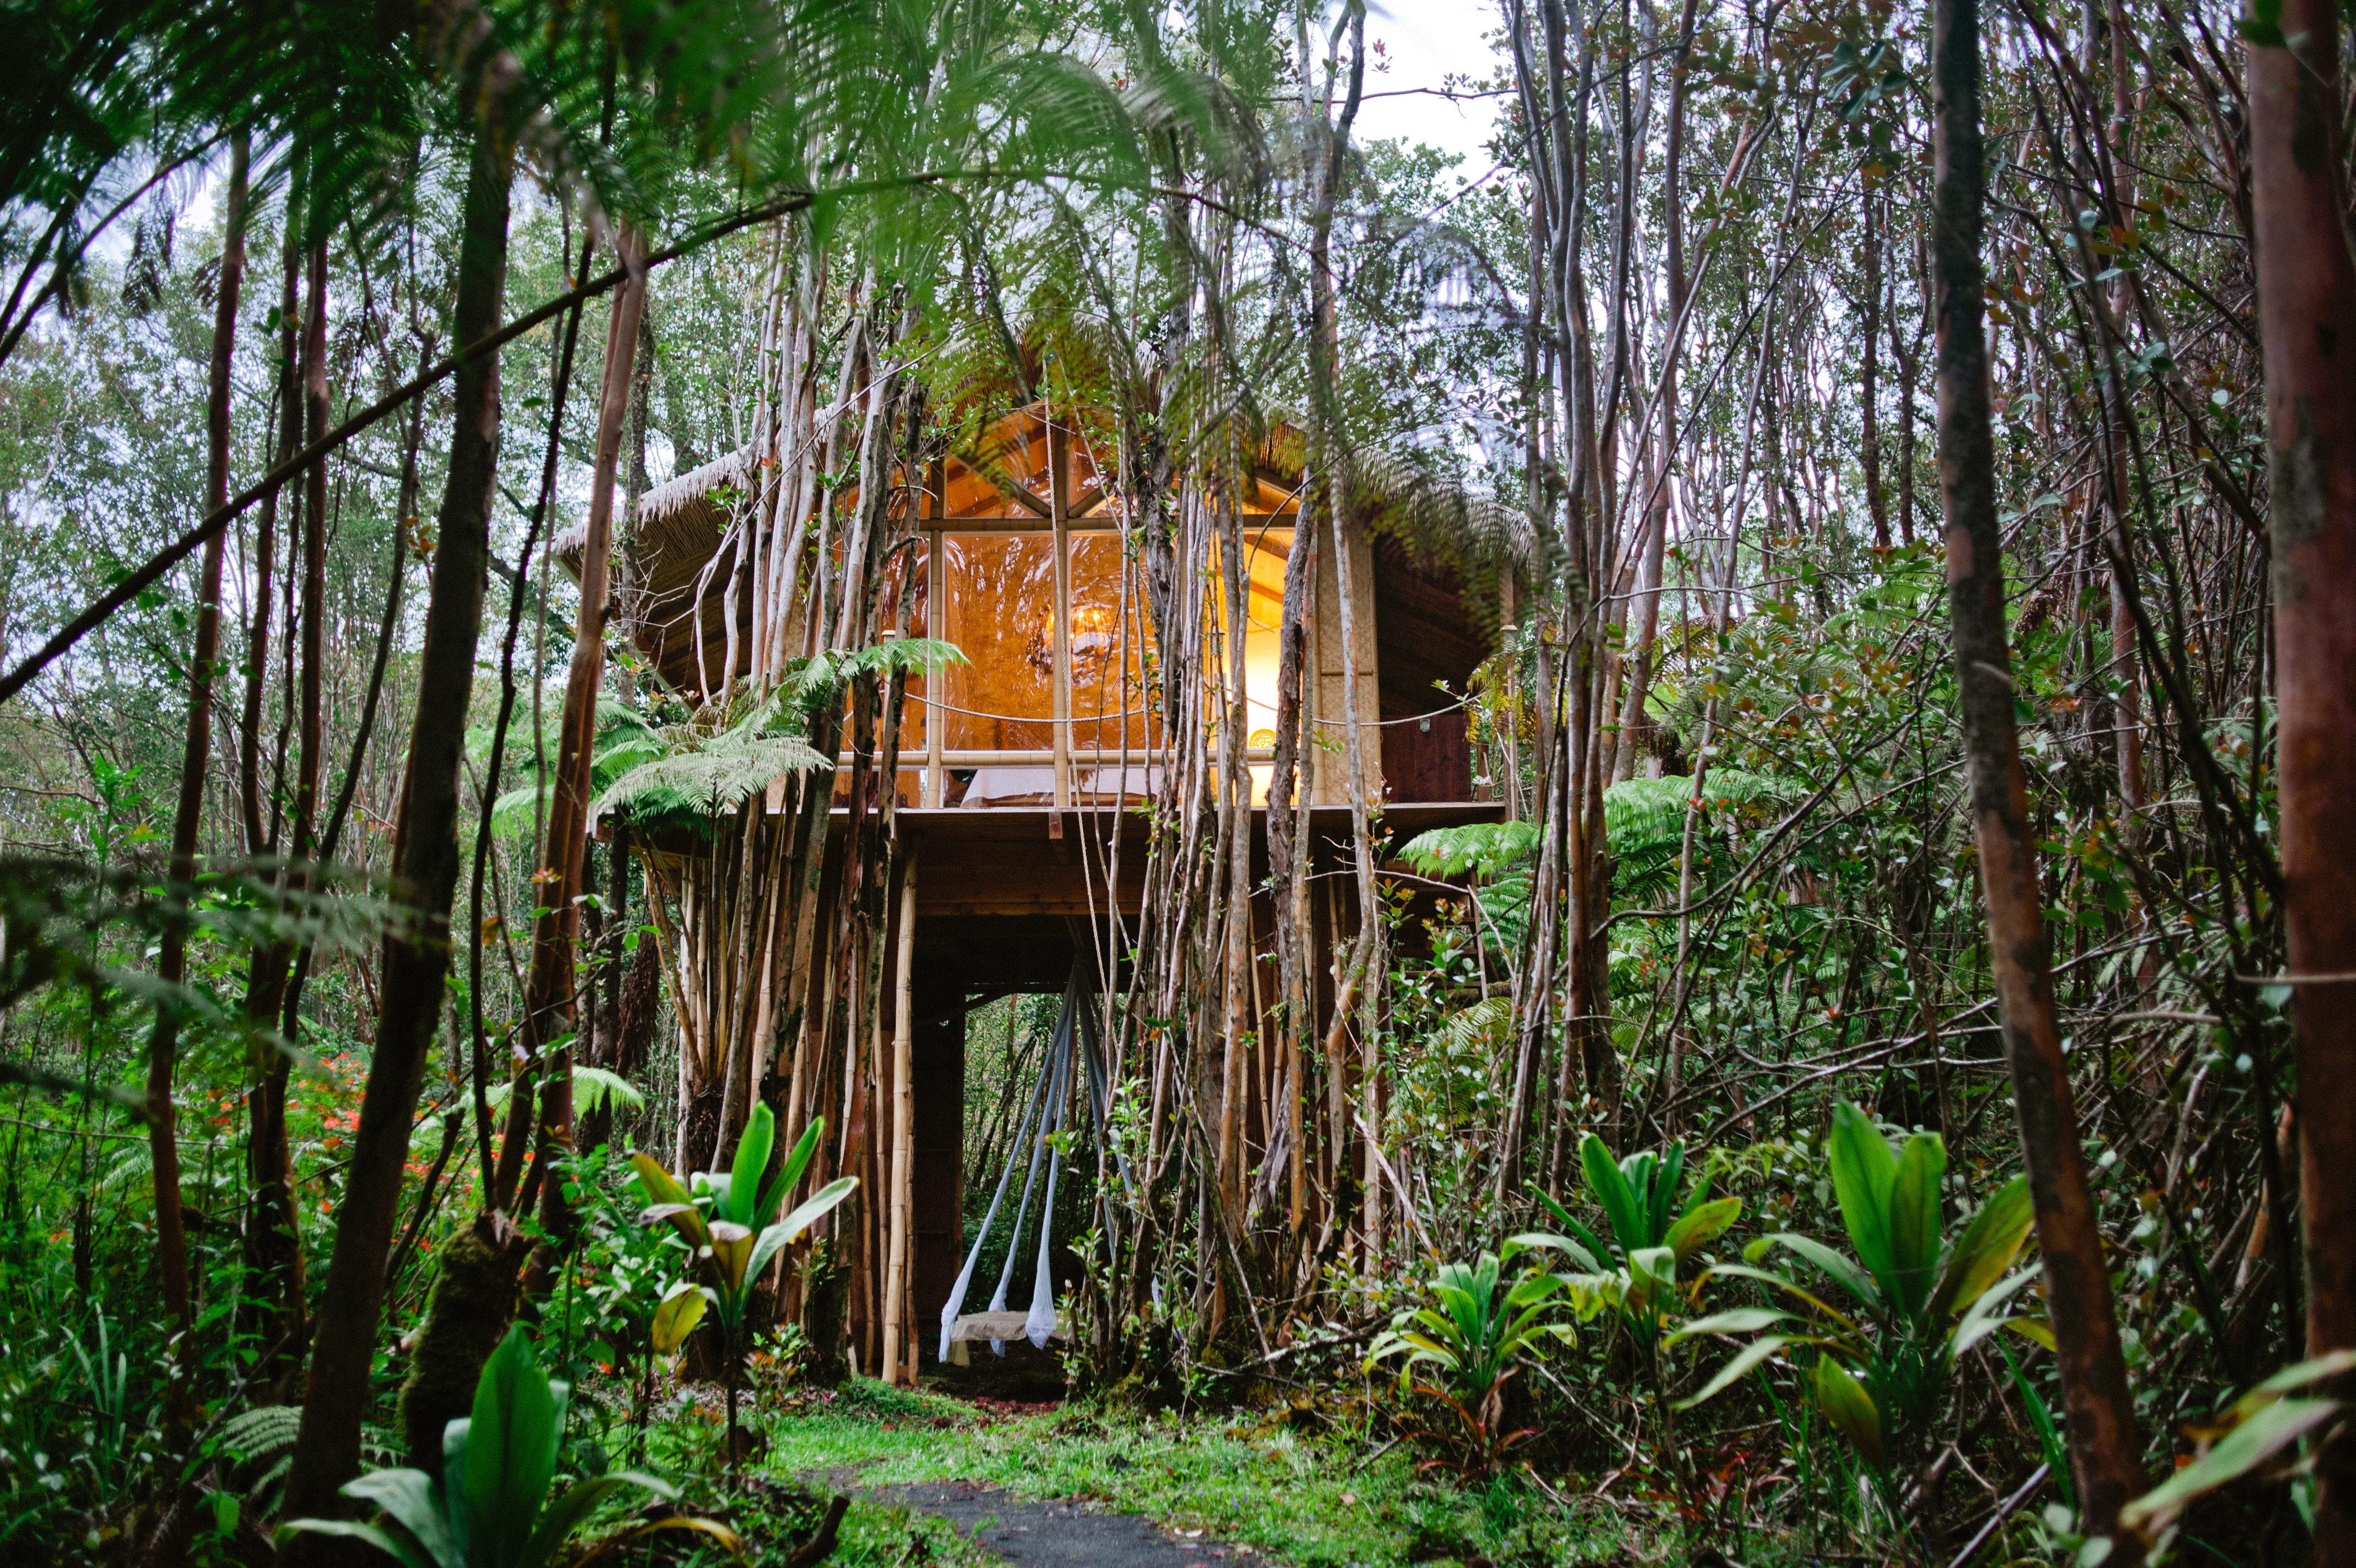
(1308, 1501)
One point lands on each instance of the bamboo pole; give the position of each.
(904, 1133)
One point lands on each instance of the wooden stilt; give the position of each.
(904, 1139)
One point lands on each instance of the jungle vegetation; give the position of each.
(1884, 1090)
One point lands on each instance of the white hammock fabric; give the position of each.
(1048, 1114)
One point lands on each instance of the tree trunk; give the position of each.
(172, 963)
(1868, 396)
(273, 1239)
(549, 995)
(326, 1451)
(897, 1343)
(2104, 1448)
(2307, 316)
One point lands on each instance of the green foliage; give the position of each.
(1645, 823)
(1483, 849)
(1498, 857)
(2252, 1432)
(1485, 1322)
(624, 739)
(1651, 1234)
(492, 1504)
(716, 1218)
(1916, 1302)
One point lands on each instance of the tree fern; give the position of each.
(592, 1087)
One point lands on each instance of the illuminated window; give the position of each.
(1114, 702)
(1000, 611)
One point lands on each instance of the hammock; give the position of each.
(1048, 1114)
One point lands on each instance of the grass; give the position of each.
(1305, 1499)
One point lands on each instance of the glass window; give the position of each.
(1115, 695)
(1265, 550)
(1000, 590)
(908, 574)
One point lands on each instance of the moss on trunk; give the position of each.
(474, 1299)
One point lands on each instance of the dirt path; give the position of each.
(1057, 1534)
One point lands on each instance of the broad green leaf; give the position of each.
(752, 1160)
(1546, 1240)
(1986, 1315)
(818, 1206)
(2237, 1453)
(772, 1240)
(1914, 1219)
(782, 1188)
(2299, 1375)
(510, 1451)
(677, 1316)
(731, 1253)
(1791, 1288)
(1701, 1227)
(1863, 1173)
(408, 1553)
(661, 1186)
(455, 1513)
(571, 1506)
(1664, 1199)
(1844, 1271)
(1734, 1371)
(685, 1218)
(1610, 1191)
(1571, 1226)
(1737, 1320)
(1984, 1251)
(407, 1497)
(1845, 1402)
(1653, 1273)
(2036, 1330)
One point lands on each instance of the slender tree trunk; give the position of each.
(897, 1343)
(172, 963)
(265, 553)
(1869, 390)
(273, 1238)
(549, 994)
(326, 1451)
(2104, 1448)
(1330, 492)
(2307, 316)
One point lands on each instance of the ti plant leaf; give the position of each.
(680, 1310)
(490, 1507)
(2258, 1426)
(1864, 1171)
(1847, 1404)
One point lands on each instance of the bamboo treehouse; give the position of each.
(1081, 742)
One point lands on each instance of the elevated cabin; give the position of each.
(1020, 771)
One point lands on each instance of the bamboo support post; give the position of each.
(903, 1135)
(1059, 494)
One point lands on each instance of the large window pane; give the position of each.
(1264, 556)
(1000, 590)
(1114, 700)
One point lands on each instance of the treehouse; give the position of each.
(1110, 687)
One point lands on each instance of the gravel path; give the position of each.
(1056, 1534)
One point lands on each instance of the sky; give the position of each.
(1424, 42)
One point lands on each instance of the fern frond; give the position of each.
(1485, 848)
(713, 780)
(592, 1088)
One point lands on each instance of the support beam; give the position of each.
(899, 1368)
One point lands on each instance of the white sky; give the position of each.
(1425, 42)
